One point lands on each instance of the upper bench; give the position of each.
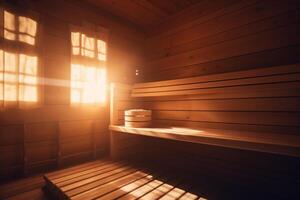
(253, 109)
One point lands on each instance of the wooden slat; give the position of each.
(127, 188)
(130, 182)
(175, 193)
(287, 18)
(86, 174)
(239, 46)
(271, 143)
(99, 191)
(225, 83)
(72, 170)
(224, 76)
(244, 88)
(236, 104)
(162, 189)
(141, 191)
(90, 183)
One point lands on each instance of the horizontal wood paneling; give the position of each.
(242, 35)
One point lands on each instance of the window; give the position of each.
(18, 60)
(19, 28)
(88, 69)
(18, 77)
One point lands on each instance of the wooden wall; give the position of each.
(220, 36)
(57, 134)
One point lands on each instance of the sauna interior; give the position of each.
(149, 99)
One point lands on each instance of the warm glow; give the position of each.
(18, 80)
(88, 46)
(101, 45)
(88, 84)
(149, 187)
(75, 43)
(27, 29)
(85, 46)
(25, 32)
(9, 26)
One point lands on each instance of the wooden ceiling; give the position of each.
(144, 13)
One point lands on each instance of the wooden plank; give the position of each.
(36, 194)
(263, 118)
(228, 126)
(40, 151)
(225, 83)
(235, 19)
(175, 193)
(188, 196)
(141, 191)
(237, 89)
(179, 21)
(127, 188)
(10, 134)
(162, 189)
(71, 170)
(67, 180)
(235, 104)
(99, 191)
(224, 76)
(272, 57)
(264, 142)
(21, 186)
(87, 184)
(74, 128)
(239, 46)
(37, 132)
(209, 16)
(288, 18)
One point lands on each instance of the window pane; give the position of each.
(28, 64)
(87, 42)
(9, 35)
(10, 62)
(28, 93)
(10, 92)
(75, 96)
(88, 53)
(28, 79)
(27, 25)
(9, 26)
(1, 61)
(102, 57)
(75, 50)
(9, 21)
(1, 91)
(92, 82)
(75, 72)
(10, 77)
(101, 45)
(75, 39)
(27, 39)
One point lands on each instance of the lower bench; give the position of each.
(105, 179)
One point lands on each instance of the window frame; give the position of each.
(22, 48)
(84, 61)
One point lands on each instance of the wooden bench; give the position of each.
(106, 179)
(254, 110)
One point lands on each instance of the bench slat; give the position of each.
(264, 142)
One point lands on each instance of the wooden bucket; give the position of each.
(137, 118)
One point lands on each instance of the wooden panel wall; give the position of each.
(224, 36)
(56, 133)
